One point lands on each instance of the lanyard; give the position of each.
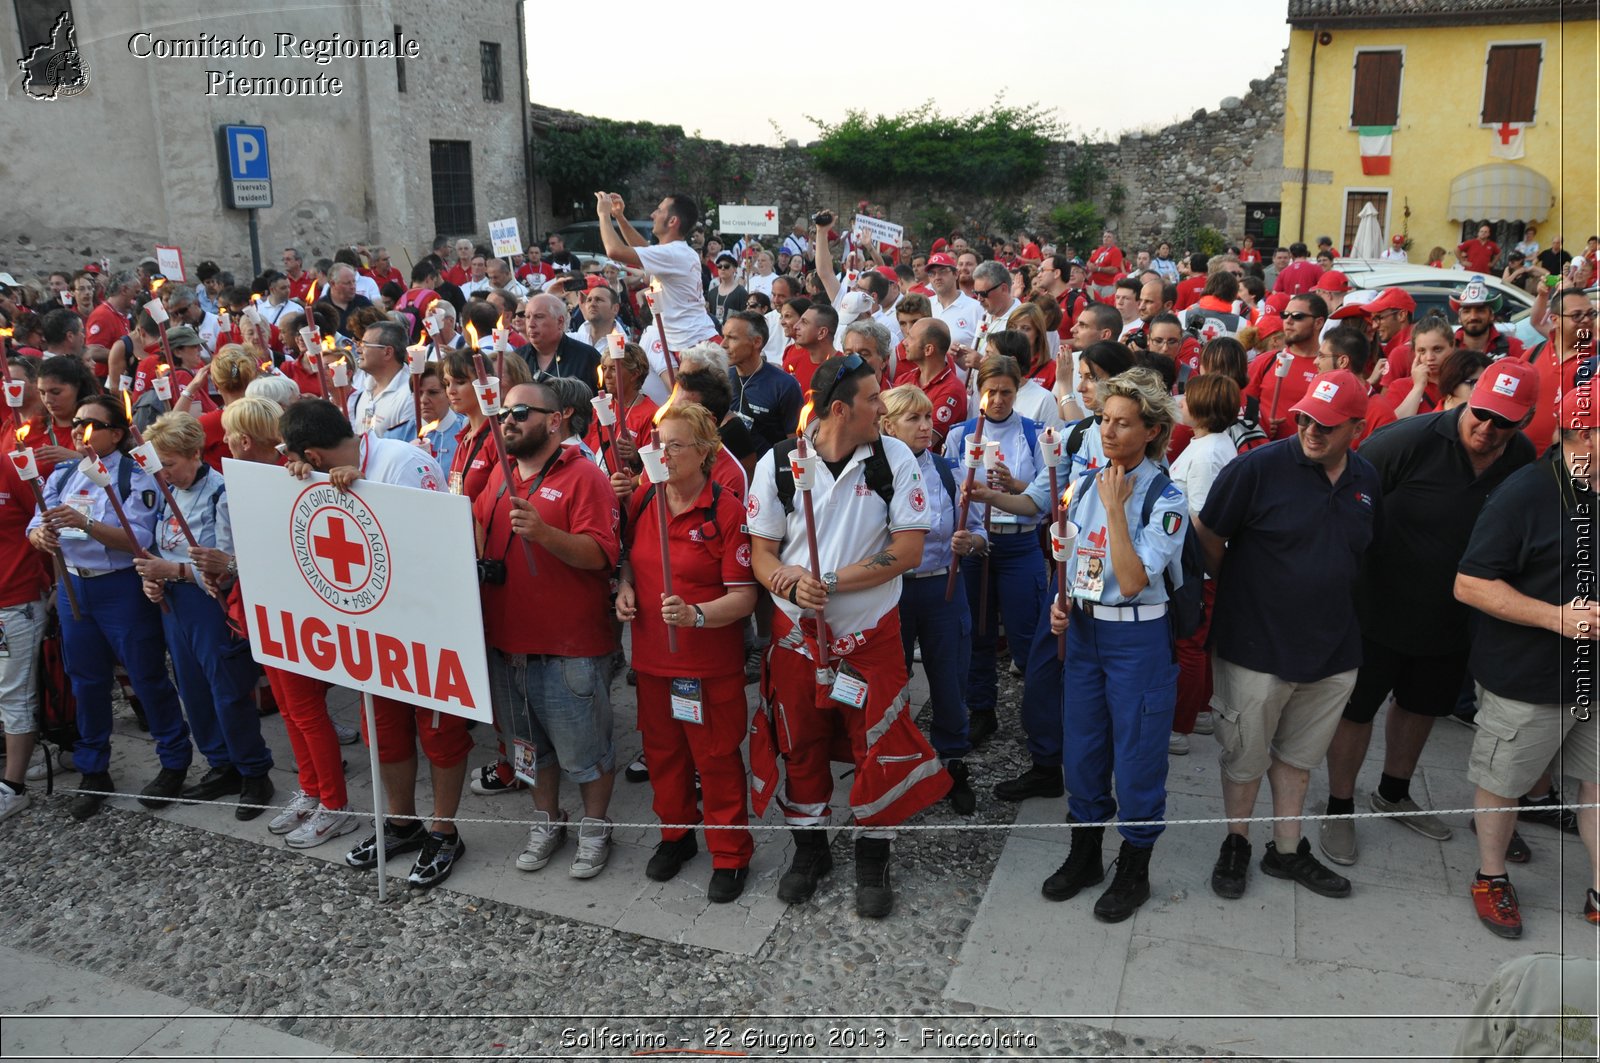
(506, 487)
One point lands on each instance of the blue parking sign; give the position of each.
(249, 181)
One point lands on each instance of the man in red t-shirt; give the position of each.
(1478, 254)
(381, 270)
(1475, 309)
(24, 583)
(1105, 265)
(1277, 393)
(1391, 315)
(929, 367)
(534, 267)
(108, 322)
(550, 667)
(813, 345)
(1557, 359)
(299, 279)
(1300, 275)
(460, 272)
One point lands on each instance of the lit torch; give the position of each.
(803, 467)
(605, 412)
(95, 471)
(1050, 449)
(972, 458)
(158, 314)
(144, 455)
(488, 389)
(655, 468)
(28, 470)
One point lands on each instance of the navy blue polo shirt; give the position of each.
(1286, 592)
(768, 401)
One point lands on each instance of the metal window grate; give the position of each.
(489, 57)
(453, 209)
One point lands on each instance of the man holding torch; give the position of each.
(833, 563)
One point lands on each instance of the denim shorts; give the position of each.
(559, 704)
(19, 669)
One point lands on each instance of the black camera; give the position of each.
(1137, 338)
(822, 217)
(491, 571)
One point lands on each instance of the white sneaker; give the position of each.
(545, 838)
(325, 824)
(1177, 745)
(594, 847)
(348, 736)
(36, 767)
(301, 805)
(1203, 723)
(12, 802)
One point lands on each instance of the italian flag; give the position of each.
(1377, 144)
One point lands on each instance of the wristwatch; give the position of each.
(699, 617)
(830, 580)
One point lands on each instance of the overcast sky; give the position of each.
(1173, 56)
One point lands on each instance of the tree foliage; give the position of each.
(1001, 147)
(600, 154)
(1079, 223)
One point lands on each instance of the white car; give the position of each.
(1370, 273)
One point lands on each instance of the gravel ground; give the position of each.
(249, 930)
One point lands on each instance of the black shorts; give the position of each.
(1427, 685)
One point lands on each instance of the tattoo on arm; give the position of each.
(881, 559)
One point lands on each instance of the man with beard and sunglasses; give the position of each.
(549, 667)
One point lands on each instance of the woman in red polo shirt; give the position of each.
(231, 372)
(474, 456)
(692, 708)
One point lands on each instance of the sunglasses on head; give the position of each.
(521, 412)
(1494, 419)
(848, 366)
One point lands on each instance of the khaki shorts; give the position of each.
(1260, 718)
(1517, 740)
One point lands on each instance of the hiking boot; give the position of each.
(85, 805)
(727, 883)
(486, 780)
(594, 847)
(1517, 851)
(160, 791)
(436, 860)
(1177, 745)
(1129, 888)
(1548, 810)
(1337, 840)
(1232, 869)
(1300, 866)
(545, 839)
(1204, 723)
(300, 808)
(874, 892)
(323, 825)
(398, 839)
(1084, 866)
(962, 799)
(12, 800)
(1496, 903)
(1037, 781)
(256, 792)
(638, 771)
(670, 857)
(981, 726)
(1424, 823)
(812, 862)
(217, 782)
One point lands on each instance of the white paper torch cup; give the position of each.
(23, 461)
(157, 312)
(1063, 535)
(655, 464)
(14, 393)
(488, 395)
(1051, 447)
(144, 455)
(804, 470)
(163, 386)
(604, 412)
(94, 470)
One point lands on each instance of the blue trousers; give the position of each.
(1121, 683)
(943, 629)
(1016, 590)
(217, 681)
(1041, 689)
(119, 623)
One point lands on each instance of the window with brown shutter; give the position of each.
(1376, 99)
(1511, 83)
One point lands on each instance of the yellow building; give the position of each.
(1443, 114)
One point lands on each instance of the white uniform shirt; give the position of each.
(1038, 402)
(1023, 460)
(390, 413)
(851, 525)
(682, 305)
(961, 317)
(389, 461)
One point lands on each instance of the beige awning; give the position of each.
(1500, 192)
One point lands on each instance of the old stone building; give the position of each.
(363, 147)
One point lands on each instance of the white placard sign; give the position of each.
(738, 219)
(503, 234)
(884, 232)
(375, 589)
(169, 261)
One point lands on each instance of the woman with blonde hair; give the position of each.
(231, 372)
(1028, 319)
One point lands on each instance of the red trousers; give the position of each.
(303, 704)
(402, 726)
(676, 749)
(1194, 670)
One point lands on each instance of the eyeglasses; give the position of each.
(521, 412)
(93, 422)
(676, 447)
(1580, 315)
(1494, 419)
(374, 346)
(1298, 315)
(848, 366)
(1311, 424)
(1166, 341)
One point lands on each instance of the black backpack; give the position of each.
(875, 470)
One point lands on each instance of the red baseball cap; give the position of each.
(941, 259)
(1397, 239)
(1279, 301)
(595, 280)
(1348, 309)
(1580, 407)
(1392, 299)
(1268, 324)
(939, 245)
(1332, 281)
(1334, 398)
(887, 273)
(1508, 388)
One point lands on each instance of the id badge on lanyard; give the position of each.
(849, 687)
(688, 706)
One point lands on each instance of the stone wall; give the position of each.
(1228, 155)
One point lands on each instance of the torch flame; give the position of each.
(5, 333)
(22, 433)
(163, 368)
(672, 400)
(472, 336)
(805, 415)
(156, 284)
(600, 375)
(255, 297)
(428, 429)
(327, 343)
(311, 293)
(127, 405)
(266, 366)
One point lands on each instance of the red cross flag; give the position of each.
(373, 588)
(1507, 141)
(737, 219)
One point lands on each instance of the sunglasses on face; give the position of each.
(1298, 315)
(1311, 424)
(986, 292)
(92, 422)
(521, 412)
(1494, 419)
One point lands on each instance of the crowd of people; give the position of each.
(1177, 495)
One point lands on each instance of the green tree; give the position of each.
(599, 154)
(1078, 223)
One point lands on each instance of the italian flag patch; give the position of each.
(1171, 522)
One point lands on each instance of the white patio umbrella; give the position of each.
(1369, 235)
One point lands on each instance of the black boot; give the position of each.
(981, 726)
(962, 799)
(1084, 866)
(1129, 889)
(811, 864)
(874, 894)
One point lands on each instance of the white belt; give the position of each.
(1119, 614)
(929, 575)
(90, 573)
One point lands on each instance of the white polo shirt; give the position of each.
(683, 306)
(390, 413)
(961, 317)
(389, 461)
(851, 525)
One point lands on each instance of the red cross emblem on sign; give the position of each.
(1506, 132)
(338, 550)
(769, 215)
